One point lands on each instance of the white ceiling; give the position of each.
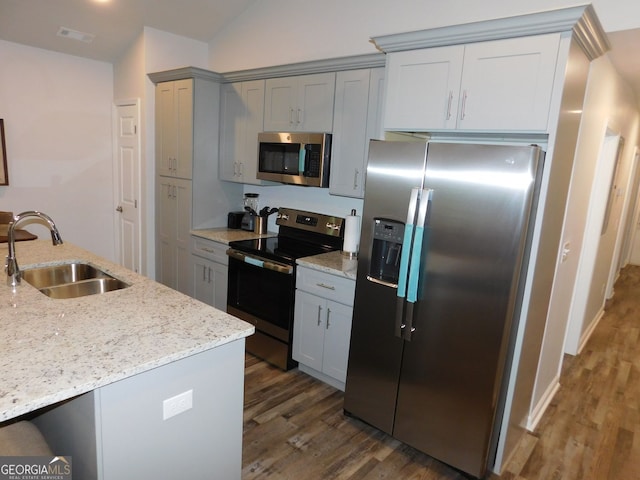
(117, 23)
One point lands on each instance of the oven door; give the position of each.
(262, 292)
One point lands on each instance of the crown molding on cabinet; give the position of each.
(304, 68)
(185, 72)
(581, 20)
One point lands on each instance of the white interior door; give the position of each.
(632, 243)
(128, 218)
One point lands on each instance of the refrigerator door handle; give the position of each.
(416, 257)
(404, 260)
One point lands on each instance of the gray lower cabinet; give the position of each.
(209, 272)
(123, 430)
(173, 225)
(322, 324)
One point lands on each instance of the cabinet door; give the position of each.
(350, 133)
(183, 100)
(173, 225)
(165, 232)
(308, 329)
(280, 104)
(422, 88)
(174, 128)
(220, 275)
(314, 111)
(241, 119)
(357, 119)
(231, 128)
(303, 103)
(507, 84)
(336, 340)
(203, 285)
(253, 109)
(182, 220)
(209, 282)
(166, 139)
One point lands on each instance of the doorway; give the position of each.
(127, 185)
(592, 278)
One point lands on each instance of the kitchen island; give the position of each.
(142, 382)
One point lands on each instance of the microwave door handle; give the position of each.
(405, 254)
(415, 262)
(302, 157)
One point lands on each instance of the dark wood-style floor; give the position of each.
(294, 427)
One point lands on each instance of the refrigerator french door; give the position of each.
(443, 248)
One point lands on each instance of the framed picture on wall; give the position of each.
(4, 173)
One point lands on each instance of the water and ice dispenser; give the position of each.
(386, 251)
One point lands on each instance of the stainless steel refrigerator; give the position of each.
(443, 248)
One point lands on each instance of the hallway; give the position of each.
(294, 427)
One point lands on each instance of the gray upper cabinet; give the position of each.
(302, 103)
(502, 85)
(357, 119)
(241, 116)
(174, 128)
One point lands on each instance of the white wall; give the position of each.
(153, 51)
(609, 103)
(274, 32)
(57, 114)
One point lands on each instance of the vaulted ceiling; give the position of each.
(116, 24)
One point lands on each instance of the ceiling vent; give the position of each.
(75, 35)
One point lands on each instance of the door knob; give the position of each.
(119, 209)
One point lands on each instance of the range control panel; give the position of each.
(310, 221)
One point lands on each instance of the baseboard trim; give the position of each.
(538, 411)
(589, 331)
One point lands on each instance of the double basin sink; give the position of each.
(71, 280)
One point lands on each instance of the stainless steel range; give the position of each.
(262, 278)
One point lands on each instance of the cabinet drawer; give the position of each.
(325, 285)
(209, 249)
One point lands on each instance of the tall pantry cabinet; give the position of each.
(188, 192)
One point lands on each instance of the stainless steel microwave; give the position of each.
(295, 158)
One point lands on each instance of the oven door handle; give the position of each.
(260, 262)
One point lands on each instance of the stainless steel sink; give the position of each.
(71, 280)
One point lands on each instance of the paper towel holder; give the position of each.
(351, 235)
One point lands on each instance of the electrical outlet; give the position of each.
(178, 404)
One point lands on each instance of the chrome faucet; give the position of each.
(11, 265)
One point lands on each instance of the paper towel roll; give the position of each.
(351, 234)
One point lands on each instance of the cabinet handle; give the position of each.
(291, 122)
(168, 191)
(449, 104)
(324, 285)
(208, 250)
(464, 105)
(299, 116)
(209, 269)
(204, 273)
(355, 179)
(241, 168)
(175, 191)
(319, 313)
(328, 313)
(235, 169)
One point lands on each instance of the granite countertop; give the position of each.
(334, 263)
(52, 349)
(226, 235)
